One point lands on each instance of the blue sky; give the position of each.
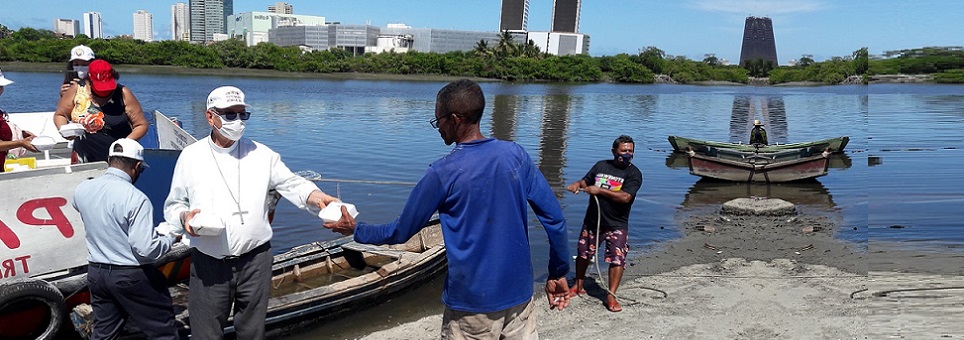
(823, 28)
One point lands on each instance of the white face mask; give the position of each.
(81, 71)
(231, 129)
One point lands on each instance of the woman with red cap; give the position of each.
(107, 110)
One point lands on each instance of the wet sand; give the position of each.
(736, 276)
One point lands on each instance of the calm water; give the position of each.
(379, 131)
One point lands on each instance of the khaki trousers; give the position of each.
(518, 322)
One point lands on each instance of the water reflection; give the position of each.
(705, 192)
(772, 113)
(504, 116)
(552, 141)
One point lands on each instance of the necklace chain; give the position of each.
(237, 201)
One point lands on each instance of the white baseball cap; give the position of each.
(81, 52)
(4, 81)
(127, 148)
(225, 97)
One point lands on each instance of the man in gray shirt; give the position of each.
(122, 248)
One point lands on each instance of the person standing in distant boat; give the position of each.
(758, 135)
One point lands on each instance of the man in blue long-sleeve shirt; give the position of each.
(122, 247)
(480, 190)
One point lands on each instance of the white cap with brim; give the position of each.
(4, 81)
(225, 97)
(81, 52)
(127, 148)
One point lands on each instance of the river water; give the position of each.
(897, 181)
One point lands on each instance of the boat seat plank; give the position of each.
(377, 250)
(292, 262)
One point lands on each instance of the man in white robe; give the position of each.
(224, 180)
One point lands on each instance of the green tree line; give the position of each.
(945, 64)
(506, 60)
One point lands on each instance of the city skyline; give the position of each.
(690, 28)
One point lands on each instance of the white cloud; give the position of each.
(758, 7)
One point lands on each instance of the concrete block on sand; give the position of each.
(759, 207)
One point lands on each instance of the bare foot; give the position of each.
(613, 305)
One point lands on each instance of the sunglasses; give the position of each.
(229, 116)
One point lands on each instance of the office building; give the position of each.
(143, 26)
(253, 27)
(67, 27)
(93, 25)
(313, 38)
(209, 17)
(439, 40)
(515, 14)
(758, 42)
(565, 15)
(180, 22)
(280, 8)
(560, 43)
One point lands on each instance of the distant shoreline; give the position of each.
(19, 66)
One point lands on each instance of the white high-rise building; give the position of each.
(93, 25)
(67, 27)
(180, 22)
(143, 26)
(280, 8)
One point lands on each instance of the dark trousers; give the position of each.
(119, 293)
(216, 284)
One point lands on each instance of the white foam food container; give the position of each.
(332, 211)
(207, 224)
(71, 130)
(43, 143)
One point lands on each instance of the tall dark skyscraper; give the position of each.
(758, 41)
(515, 13)
(565, 15)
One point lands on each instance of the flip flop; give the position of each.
(574, 291)
(613, 306)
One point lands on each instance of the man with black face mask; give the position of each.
(122, 247)
(612, 184)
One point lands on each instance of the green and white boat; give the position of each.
(680, 144)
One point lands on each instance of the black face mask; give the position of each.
(624, 158)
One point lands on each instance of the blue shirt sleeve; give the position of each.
(547, 209)
(143, 239)
(422, 203)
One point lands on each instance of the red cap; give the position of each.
(101, 76)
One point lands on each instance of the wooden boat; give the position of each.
(678, 160)
(681, 144)
(319, 279)
(758, 169)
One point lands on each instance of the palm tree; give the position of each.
(530, 50)
(506, 46)
(482, 48)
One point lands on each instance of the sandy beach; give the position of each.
(736, 276)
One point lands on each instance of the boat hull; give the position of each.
(740, 171)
